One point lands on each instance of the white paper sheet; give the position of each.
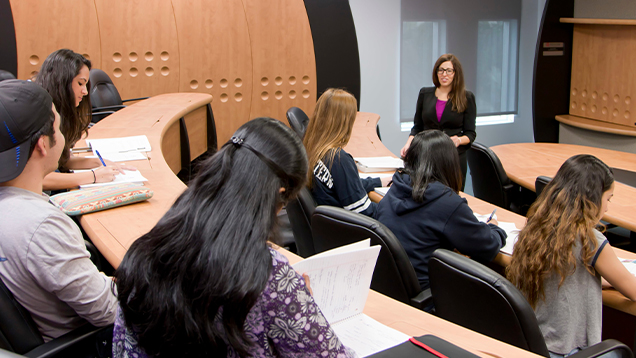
(131, 176)
(630, 265)
(378, 164)
(121, 157)
(382, 191)
(375, 175)
(510, 228)
(138, 143)
(367, 336)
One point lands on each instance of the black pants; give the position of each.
(463, 164)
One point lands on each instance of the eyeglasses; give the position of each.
(449, 71)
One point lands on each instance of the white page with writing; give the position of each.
(121, 157)
(131, 176)
(367, 336)
(362, 244)
(510, 229)
(138, 143)
(340, 282)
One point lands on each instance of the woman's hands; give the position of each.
(406, 146)
(120, 167)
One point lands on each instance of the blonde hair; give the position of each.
(330, 127)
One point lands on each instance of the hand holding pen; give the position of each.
(491, 219)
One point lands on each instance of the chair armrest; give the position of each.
(606, 346)
(423, 299)
(134, 99)
(114, 108)
(70, 339)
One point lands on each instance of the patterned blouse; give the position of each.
(284, 322)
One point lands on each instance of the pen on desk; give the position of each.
(491, 215)
(100, 158)
(427, 348)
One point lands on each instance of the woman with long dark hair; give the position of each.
(204, 282)
(448, 107)
(425, 212)
(560, 256)
(65, 75)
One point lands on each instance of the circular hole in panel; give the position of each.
(264, 95)
(117, 57)
(292, 94)
(305, 79)
(615, 112)
(573, 105)
(238, 82)
(306, 94)
(278, 80)
(33, 74)
(593, 109)
(627, 114)
(194, 84)
(117, 72)
(224, 97)
(616, 98)
(278, 94)
(594, 95)
(149, 56)
(164, 56)
(264, 81)
(604, 110)
(134, 72)
(238, 97)
(605, 96)
(165, 71)
(150, 71)
(133, 56)
(86, 56)
(223, 83)
(583, 106)
(208, 83)
(34, 60)
(628, 100)
(292, 80)
(584, 93)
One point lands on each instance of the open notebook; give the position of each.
(340, 280)
(510, 228)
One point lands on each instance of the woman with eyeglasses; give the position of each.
(448, 107)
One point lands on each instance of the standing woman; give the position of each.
(65, 74)
(448, 107)
(204, 282)
(333, 176)
(560, 256)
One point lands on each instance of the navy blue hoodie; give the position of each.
(442, 220)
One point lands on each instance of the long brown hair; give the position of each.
(563, 215)
(56, 76)
(457, 95)
(330, 127)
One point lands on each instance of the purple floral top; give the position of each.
(284, 322)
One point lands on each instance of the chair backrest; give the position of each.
(540, 183)
(298, 120)
(490, 182)
(471, 295)
(299, 211)
(18, 331)
(394, 275)
(6, 75)
(103, 91)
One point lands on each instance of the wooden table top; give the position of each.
(524, 162)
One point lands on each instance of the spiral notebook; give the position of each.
(340, 281)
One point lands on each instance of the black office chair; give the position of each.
(298, 120)
(6, 75)
(490, 182)
(105, 98)
(19, 333)
(540, 183)
(471, 295)
(299, 211)
(394, 275)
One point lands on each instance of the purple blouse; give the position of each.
(439, 109)
(284, 322)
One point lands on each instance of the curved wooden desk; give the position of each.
(524, 162)
(113, 231)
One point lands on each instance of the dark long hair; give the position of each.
(208, 257)
(457, 95)
(56, 76)
(565, 213)
(431, 157)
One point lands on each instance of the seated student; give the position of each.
(65, 74)
(205, 282)
(43, 260)
(425, 212)
(559, 257)
(333, 178)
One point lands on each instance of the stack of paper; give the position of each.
(121, 149)
(378, 164)
(510, 228)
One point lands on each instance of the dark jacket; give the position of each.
(452, 123)
(442, 220)
(339, 184)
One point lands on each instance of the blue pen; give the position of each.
(100, 158)
(487, 221)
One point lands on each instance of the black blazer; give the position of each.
(452, 123)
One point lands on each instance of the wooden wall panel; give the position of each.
(43, 26)
(217, 60)
(603, 85)
(283, 57)
(140, 51)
